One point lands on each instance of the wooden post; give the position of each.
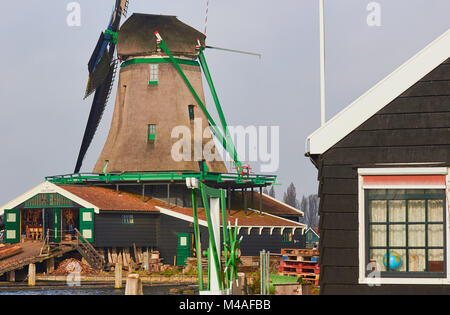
(11, 276)
(168, 195)
(118, 276)
(31, 275)
(134, 285)
(260, 199)
(146, 261)
(50, 265)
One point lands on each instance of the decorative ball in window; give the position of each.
(395, 261)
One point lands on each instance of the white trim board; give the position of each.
(380, 95)
(190, 219)
(43, 188)
(180, 216)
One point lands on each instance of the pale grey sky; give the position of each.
(45, 73)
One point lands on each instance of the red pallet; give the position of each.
(299, 270)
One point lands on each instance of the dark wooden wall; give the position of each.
(414, 128)
(110, 232)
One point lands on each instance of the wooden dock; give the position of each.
(31, 254)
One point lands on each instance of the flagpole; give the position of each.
(322, 62)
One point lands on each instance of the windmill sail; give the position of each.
(101, 77)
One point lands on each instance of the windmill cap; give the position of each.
(137, 36)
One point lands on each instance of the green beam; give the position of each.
(198, 244)
(231, 149)
(212, 239)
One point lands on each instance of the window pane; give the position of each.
(436, 260)
(417, 260)
(397, 235)
(416, 210)
(416, 235)
(436, 235)
(395, 192)
(435, 211)
(376, 192)
(397, 210)
(378, 235)
(378, 255)
(378, 211)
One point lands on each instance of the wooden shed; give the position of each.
(112, 218)
(383, 166)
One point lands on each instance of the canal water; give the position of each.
(88, 290)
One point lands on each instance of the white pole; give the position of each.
(322, 62)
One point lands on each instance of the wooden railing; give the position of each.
(88, 252)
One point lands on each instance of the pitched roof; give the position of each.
(137, 38)
(107, 199)
(380, 95)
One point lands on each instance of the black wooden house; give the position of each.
(383, 166)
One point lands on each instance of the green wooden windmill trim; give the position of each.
(159, 60)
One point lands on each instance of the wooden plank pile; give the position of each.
(71, 265)
(191, 264)
(137, 261)
(302, 263)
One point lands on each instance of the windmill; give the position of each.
(159, 89)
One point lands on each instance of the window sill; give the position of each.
(421, 281)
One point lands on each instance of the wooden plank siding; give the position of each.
(110, 232)
(414, 128)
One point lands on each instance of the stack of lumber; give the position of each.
(191, 264)
(71, 265)
(10, 250)
(302, 263)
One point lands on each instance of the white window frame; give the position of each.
(363, 279)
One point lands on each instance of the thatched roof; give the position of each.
(137, 38)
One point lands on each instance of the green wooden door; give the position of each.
(87, 224)
(12, 226)
(57, 225)
(184, 248)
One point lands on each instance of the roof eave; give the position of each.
(379, 96)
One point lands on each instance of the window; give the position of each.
(153, 74)
(287, 237)
(151, 132)
(128, 219)
(404, 232)
(191, 112)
